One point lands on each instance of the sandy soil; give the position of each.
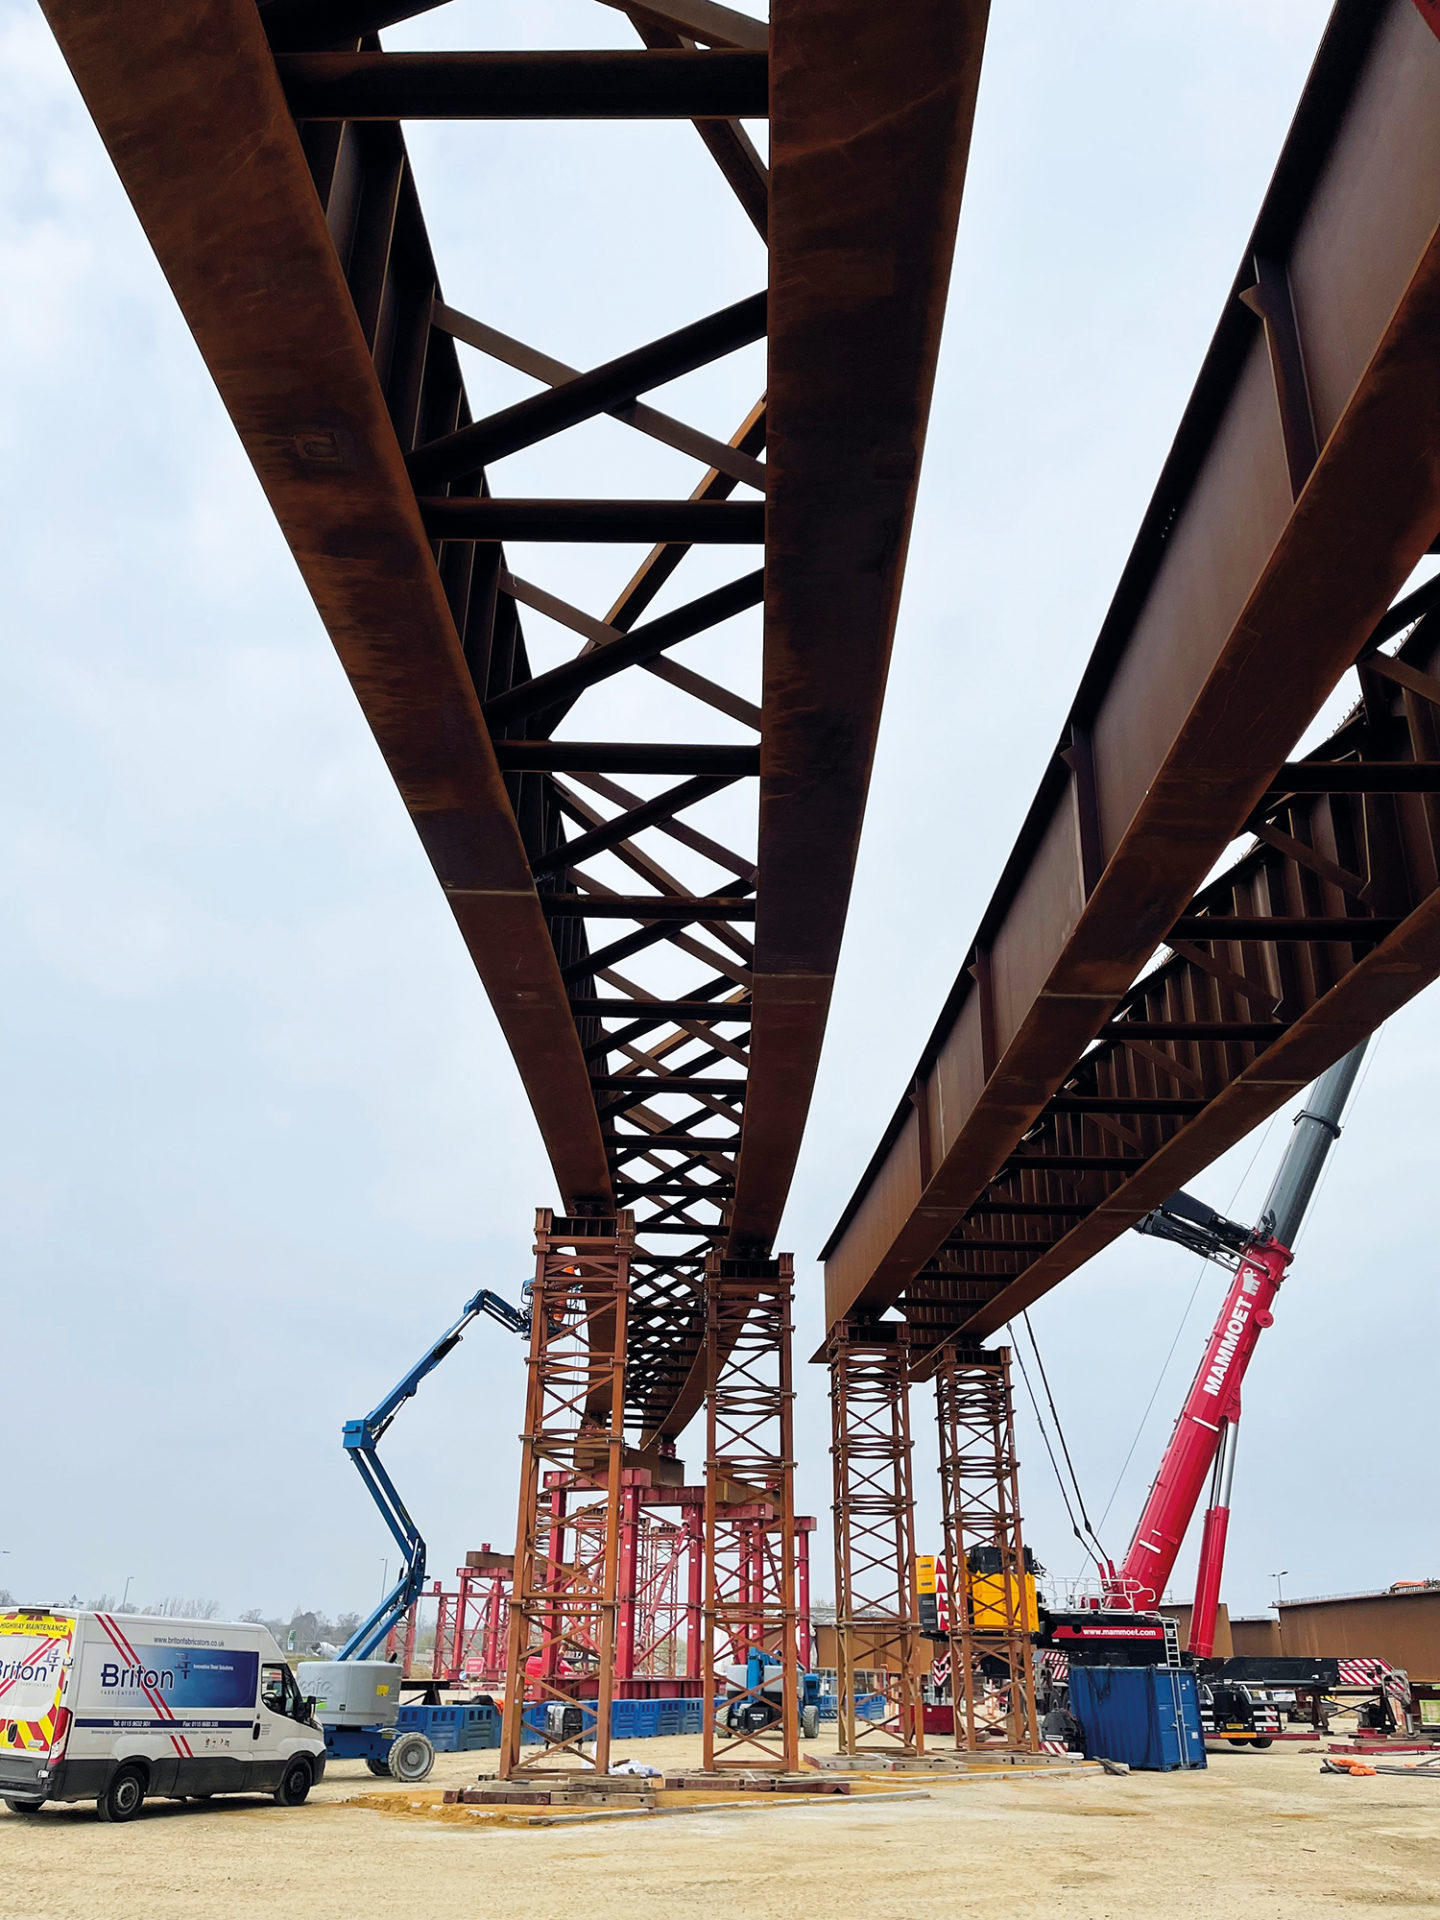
(1259, 1836)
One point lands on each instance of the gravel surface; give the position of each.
(1257, 1835)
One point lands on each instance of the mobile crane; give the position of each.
(1203, 1440)
(357, 1698)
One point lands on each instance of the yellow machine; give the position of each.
(986, 1586)
(993, 1603)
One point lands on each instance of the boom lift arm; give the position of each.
(362, 1438)
(1203, 1441)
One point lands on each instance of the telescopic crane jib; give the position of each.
(1203, 1441)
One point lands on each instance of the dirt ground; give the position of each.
(1256, 1836)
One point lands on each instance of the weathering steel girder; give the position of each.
(696, 1010)
(1239, 610)
(870, 123)
(626, 756)
(1374, 982)
(609, 833)
(468, 450)
(640, 644)
(729, 523)
(657, 906)
(1355, 776)
(586, 85)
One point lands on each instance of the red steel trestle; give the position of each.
(979, 1490)
(564, 1602)
(876, 1629)
(750, 1601)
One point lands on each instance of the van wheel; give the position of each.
(23, 1806)
(295, 1783)
(410, 1758)
(124, 1796)
(810, 1721)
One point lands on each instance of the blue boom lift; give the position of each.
(362, 1437)
(377, 1743)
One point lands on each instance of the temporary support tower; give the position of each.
(751, 1617)
(876, 1626)
(979, 1492)
(563, 1613)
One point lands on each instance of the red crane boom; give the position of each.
(1203, 1441)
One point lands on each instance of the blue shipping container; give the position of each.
(1149, 1717)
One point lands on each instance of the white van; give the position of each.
(110, 1708)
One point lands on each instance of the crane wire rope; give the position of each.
(1097, 1552)
(1060, 1435)
(1202, 1265)
(1059, 1477)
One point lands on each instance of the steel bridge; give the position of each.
(1200, 914)
(1193, 924)
(665, 1009)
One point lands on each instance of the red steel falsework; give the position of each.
(564, 1604)
(876, 1629)
(750, 1534)
(979, 1490)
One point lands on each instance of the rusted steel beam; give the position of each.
(979, 1245)
(676, 1083)
(862, 229)
(647, 906)
(585, 845)
(1356, 776)
(333, 23)
(555, 373)
(1071, 1162)
(317, 226)
(589, 85)
(621, 756)
(699, 1010)
(1240, 608)
(702, 20)
(627, 1145)
(561, 686)
(469, 449)
(1331, 998)
(1263, 927)
(1208, 1031)
(867, 162)
(1119, 1103)
(1058, 1208)
(189, 105)
(726, 523)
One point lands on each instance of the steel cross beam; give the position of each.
(1301, 491)
(262, 148)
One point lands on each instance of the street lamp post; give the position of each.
(1277, 1578)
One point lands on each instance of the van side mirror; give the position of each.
(310, 1708)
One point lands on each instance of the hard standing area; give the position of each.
(1265, 1836)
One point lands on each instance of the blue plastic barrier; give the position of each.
(629, 1719)
(457, 1729)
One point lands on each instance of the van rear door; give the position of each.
(36, 1650)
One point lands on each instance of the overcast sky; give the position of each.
(260, 1135)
